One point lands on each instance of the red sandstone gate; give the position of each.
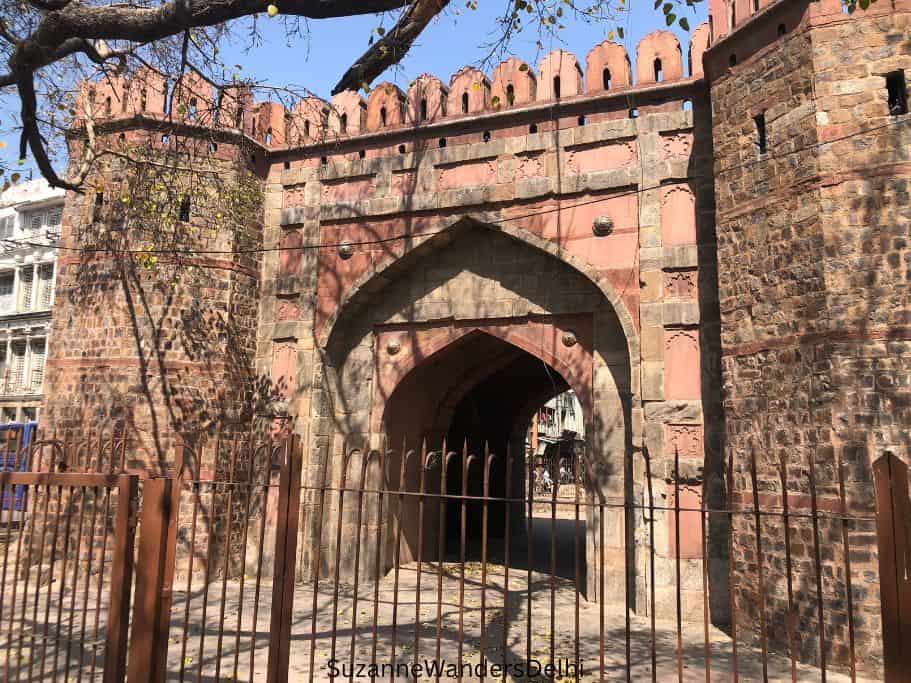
(225, 589)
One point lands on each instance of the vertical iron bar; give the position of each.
(227, 554)
(115, 653)
(381, 489)
(441, 523)
(705, 588)
(817, 555)
(40, 564)
(9, 535)
(786, 520)
(346, 461)
(357, 559)
(197, 495)
(66, 551)
(628, 513)
(651, 565)
(266, 485)
(849, 592)
(488, 460)
(576, 562)
(249, 486)
(88, 577)
(677, 564)
(69, 639)
(207, 573)
(506, 534)
(553, 568)
(465, 465)
(422, 464)
(397, 552)
(530, 488)
(599, 559)
(757, 520)
(104, 542)
(732, 594)
(316, 563)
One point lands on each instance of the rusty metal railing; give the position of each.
(256, 563)
(66, 567)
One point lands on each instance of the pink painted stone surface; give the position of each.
(385, 107)
(349, 189)
(284, 368)
(684, 439)
(307, 123)
(516, 73)
(690, 522)
(529, 166)
(294, 196)
(426, 100)
(661, 45)
(676, 145)
(680, 284)
(468, 84)
(287, 309)
(418, 343)
(678, 215)
(352, 106)
(289, 260)
(468, 174)
(681, 365)
(600, 157)
(608, 56)
(564, 65)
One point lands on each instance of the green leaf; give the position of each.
(684, 24)
(667, 8)
(620, 32)
(670, 19)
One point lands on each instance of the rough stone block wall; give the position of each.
(144, 336)
(812, 250)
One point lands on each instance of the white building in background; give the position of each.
(30, 215)
(557, 429)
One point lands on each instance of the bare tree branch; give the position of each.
(391, 47)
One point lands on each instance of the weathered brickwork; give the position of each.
(144, 336)
(813, 238)
(437, 263)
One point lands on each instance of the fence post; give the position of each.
(893, 523)
(285, 559)
(154, 571)
(115, 653)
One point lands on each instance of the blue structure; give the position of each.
(11, 458)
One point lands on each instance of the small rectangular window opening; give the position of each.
(897, 88)
(184, 209)
(762, 140)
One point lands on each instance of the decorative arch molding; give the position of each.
(376, 277)
(408, 361)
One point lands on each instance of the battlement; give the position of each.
(727, 17)
(513, 84)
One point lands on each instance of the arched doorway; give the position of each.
(473, 402)
(462, 339)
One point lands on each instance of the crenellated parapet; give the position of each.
(513, 84)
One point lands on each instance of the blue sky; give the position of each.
(317, 60)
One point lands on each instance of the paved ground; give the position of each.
(359, 637)
(242, 641)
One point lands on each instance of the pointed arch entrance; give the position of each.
(464, 337)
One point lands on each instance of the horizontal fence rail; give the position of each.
(66, 559)
(258, 561)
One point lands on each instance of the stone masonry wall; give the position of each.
(812, 246)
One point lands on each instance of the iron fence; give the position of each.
(426, 564)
